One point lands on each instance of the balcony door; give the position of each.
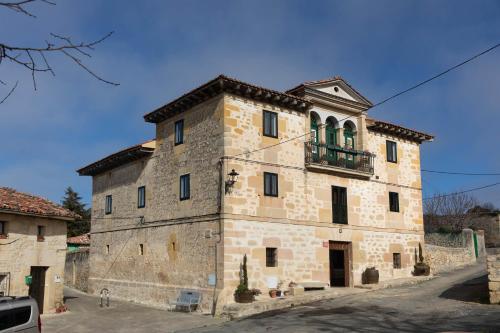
(315, 139)
(339, 204)
(331, 142)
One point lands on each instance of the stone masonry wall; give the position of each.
(493, 266)
(76, 269)
(445, 239)
(22, 250)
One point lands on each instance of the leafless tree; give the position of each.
(35, 59)
(449, 212)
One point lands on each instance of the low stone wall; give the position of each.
(445, 239)
(442, 259)
(493, 265)
(76, 269)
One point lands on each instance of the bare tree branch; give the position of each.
(450, 212)
(10, 93)
(19, 6)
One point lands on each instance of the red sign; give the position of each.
(326, 244)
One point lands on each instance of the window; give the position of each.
(184, 187)
(271, 124)
(109, 205)
(179, 132)
(270, 184)
(141, 249)
(394, 201)
(339, 204)
(396, 260)
(271, 257)
(40, 233)
(392, 151)
(3, 230)
(14, 317)
(141, 197)
(107, 249)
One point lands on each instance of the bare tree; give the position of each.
(449, 212)
(35, 59)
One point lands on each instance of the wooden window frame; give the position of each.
(396, 260)
(389, 151)
(141, 204)
(179, 132)
(271, 129)
(185, 195)
(271, 176)
(344, 219)
(108, 204)
(271, 257)
(3, 229)
(40, 233)
(394, 202)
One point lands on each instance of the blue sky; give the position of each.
(161, 49)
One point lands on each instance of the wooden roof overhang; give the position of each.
(124, 156)
(224, 84)
(399, 131)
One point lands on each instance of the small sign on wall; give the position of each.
(326, 244)
(57, 279)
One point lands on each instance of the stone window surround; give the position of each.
(184, 187)
(394, 202)
(108, 204)
(179, 132)
(141, 196)
(396, 260)
(391, 151)
(270, 129)
(273, 190)
(271, 257)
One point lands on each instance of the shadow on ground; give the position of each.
(474, 290)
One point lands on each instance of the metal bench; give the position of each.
(186, 299)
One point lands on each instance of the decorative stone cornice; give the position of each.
(224, 84)
(398, 131)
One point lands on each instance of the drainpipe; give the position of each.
(219, 233)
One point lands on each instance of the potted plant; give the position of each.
(273, 293)
(420, 268)
(242, 294)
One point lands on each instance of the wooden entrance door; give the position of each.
(37, 286)
(340, 264)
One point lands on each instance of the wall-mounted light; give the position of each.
(233, 178)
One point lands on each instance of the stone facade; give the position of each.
(493, 266)
(22, 249)
(194, 243)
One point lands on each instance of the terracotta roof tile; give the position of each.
(19, 202)
(83, 239)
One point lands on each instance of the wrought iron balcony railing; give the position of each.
(338, 157)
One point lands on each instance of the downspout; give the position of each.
(219, 233)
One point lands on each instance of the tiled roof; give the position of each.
(24, 203)
(83, 239)
(226, 84)
(125, 155)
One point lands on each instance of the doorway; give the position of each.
(340, 264)
(37, 286)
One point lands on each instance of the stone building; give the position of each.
(323, 192)
(32, 247)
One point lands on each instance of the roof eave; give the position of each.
(48, 216)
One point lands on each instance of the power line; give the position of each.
(461, 173)
(383, 101)
(461, 192)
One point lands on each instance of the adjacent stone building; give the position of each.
(32, 247)
(319, 192)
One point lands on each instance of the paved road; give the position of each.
(450, 302)
(85, 316)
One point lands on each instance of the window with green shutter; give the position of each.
(339, 204)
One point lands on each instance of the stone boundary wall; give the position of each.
(445, 258)
(76, 269)
(445, 239)
(493, 265)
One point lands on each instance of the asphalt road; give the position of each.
(451, 302)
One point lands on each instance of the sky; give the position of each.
(162, 49)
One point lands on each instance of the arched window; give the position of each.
(349, 135)
(331, 131)
(315, 139)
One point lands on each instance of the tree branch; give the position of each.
(10, 93)
(19, 6)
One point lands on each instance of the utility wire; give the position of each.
(461, 173)
(461, 192)
(383, 101)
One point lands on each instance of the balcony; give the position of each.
(328, 158)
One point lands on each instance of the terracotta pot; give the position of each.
(273, 293)
(370, 276)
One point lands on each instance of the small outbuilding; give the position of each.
(32, 247)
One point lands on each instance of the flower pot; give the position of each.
(370, 276)
(421, 269)
(273, 293)
(246, 296)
